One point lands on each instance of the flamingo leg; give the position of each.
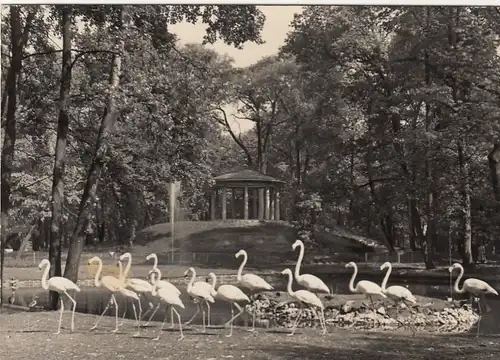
(124, 313)
(321, 317)
(162, 325)
(153, 314)
(72, 312)
(208, 314)
(137, 321)
(203, 315)
(294, 327)
(147, 312)
(240, 311)
(60, 317)
(180, 324)
(116, 314)
(172, 316)
(480, 316)
(371, 301)
(104, 312)
(231, 320)
(196, 313)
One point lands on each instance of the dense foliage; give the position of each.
(383, 120)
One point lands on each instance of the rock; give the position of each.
(381, 310)
(347, 307)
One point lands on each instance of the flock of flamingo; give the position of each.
(202, 292)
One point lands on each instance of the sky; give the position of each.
(278, 19)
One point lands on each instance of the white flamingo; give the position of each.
(232, 295)
(130, 294)
(111, 284)
(161, 284)
(395, 292)
(168, 297)
(140, 286)
(200, 291)
(473, 286)
(305, 297)
(61, 285)
(310, 282)
(252, 282)
(366, 287)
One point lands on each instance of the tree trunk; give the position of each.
(466, 203)
(9, 139)
(494, 162)
(89, 192)
(60, 156)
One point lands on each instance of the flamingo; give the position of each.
(130, 294)
(61, 285)
(473, 286)
(111, 284)
(199, 291)
(252, 282)
(140, 286)
(170, 298)
(366, 287)
(161, 284)
(305, 297)
(309, 281)
(396, 293)
(232, 295)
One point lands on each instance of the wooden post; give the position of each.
(277, 205)
(213, 199)
(224, 204)
(245, 203)
(266, 202)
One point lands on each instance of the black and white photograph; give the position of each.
(257, 181)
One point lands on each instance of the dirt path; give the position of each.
(29, 336)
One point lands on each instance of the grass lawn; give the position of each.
(29, 336)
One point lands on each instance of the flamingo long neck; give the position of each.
(299, 261)
(156, 276)
(214, 280)
(351, 282)
(386, 278)
(455, 288)
(45, 275)
(97, 282)
(120, 267)
(242, 265)
(289, 285)
(191, 281)
(155, 263)
(127, 267)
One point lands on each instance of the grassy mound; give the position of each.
(215, 242)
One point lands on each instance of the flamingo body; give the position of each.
(231, 293)
(304, 297)
(309, 281)
(366, 287)
(61, 285)
(199, 291)
(474, 286)
(168, 297)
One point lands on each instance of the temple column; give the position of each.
(254, 204)
(262, 201)
(276, 204)
(267, 201)
(272, 197)
(213, 199)
(245, 203)
(233, 208)
(224, 200)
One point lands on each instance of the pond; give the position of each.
(93, 300)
